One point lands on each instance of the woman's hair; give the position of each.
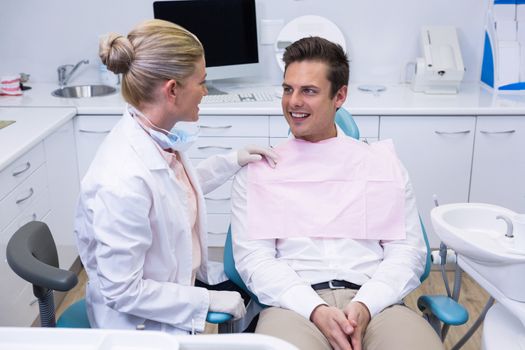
(153, 52)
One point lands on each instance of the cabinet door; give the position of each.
(498, 170)
(437, 152)
(63, 184)
(90, 131)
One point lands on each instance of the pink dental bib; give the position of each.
(336, 188)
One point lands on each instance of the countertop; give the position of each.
(396, 100)
(31, 126)
(42, 113)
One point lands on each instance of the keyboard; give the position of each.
(240, 97)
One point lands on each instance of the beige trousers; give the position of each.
(395, 328)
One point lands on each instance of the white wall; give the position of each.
(381, 35)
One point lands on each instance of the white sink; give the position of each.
(473, 231)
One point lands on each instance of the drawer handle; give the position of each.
(498, 132)
(216, 233)
(219, 147)
(452, 132)
(27, 166)
(94, 131)
(215, 127)
(21, 200)
(217, 199)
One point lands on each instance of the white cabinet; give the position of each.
(223, 134)
(25, 192)
(90, 131)
(41, 184)
(498, 170)
(437, 152)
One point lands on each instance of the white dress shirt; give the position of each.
(281, 271)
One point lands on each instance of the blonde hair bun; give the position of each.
(116, 52)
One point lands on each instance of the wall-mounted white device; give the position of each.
(441, 69)
(303, 27)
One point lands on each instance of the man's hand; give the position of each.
(335, 326)
(359, 314)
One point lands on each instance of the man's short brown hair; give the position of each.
(319, 49)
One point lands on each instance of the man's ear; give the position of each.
(340, 96)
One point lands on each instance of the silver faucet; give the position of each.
(510, 226)
(64, 75)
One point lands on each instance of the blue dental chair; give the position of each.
(441, 311)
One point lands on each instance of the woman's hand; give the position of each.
(254, 153)
(227, 302)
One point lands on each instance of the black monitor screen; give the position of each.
(226, 28)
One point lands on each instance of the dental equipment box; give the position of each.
(441, 69)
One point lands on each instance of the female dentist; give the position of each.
(140, 221)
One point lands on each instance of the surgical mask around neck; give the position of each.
(175, 139)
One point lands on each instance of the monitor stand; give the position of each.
(212, 90)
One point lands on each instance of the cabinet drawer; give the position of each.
(24, 308)
(23, 196)
(90, 131)
(35, 211)
(278, 126)
(20, 169)
(209, 146)
(12, 284)
(95, 124)
(275, 141)
(248, 126)
(217, 229)
(219, 200)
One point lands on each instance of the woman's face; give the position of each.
(191, 92)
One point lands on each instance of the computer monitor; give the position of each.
(226, 28)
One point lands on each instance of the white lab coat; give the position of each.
(134, 236)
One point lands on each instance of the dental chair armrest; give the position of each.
(218, 317)
(446, 309)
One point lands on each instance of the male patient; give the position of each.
(332, 280)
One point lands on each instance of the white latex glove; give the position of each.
(253, 153)
(228, 302)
